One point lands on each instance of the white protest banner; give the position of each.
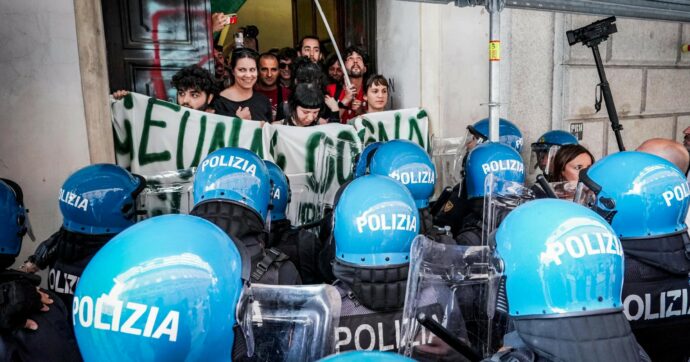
(153, 136)
(326, 152)
(407, 124)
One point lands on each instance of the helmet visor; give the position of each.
(542, 158)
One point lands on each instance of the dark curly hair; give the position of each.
(195, 77)
(359, 50)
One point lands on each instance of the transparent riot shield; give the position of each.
(294, 323)
(500, 198)
(168, 192)
(456, 286)
(447, 155)
(565, 190)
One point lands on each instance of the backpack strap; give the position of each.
(271, 256)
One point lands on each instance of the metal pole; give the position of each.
(348, 84)
(494, 8)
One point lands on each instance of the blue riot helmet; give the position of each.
(236, 175)
(100, 199)
(375, 221)
(559, 258)
(169, 288)
(509, 134)
(408, 163)
(545, 149)
(642, 195)
(366, 356)
(501, 160)
(13, 221)
(554, 138)
(280, 193)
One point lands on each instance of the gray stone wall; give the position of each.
(545, 83)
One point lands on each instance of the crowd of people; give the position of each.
(290, 86)
(591, 265)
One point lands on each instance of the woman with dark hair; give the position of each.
(308, 72)
(306, 102)
(239, 99)
(568, 162)
(376, 93)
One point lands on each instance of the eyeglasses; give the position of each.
(284, 65)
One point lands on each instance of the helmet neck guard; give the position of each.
(238, 221)
(377, 288)
(582, 338)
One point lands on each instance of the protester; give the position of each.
(334, 73)
(350, 101)
(306, 103)
(310, 47)
(286, 56)
(569, 160)
(376, 94)
(268, 82)
(307, 72)
(196, 88)
(240, 100)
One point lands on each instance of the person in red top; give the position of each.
(350, 100)
(268, 82)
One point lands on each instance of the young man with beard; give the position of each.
(195, 88)
(350, 101)
(310, 47)
(268, 82)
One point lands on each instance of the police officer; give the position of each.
(408, 163)
(232, 189)
(33, 323)
(544, 150)
(491, 158)
(177, 287)
(646, 202)
(96, 203)
(168, 288)
(456, 208)
(563, 281)
(300, 245)
(375, 220)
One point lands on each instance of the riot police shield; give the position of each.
(168, 192)
(456, 286)
(500, 198)
(565, 190)
(447, 155)
(294, 323)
